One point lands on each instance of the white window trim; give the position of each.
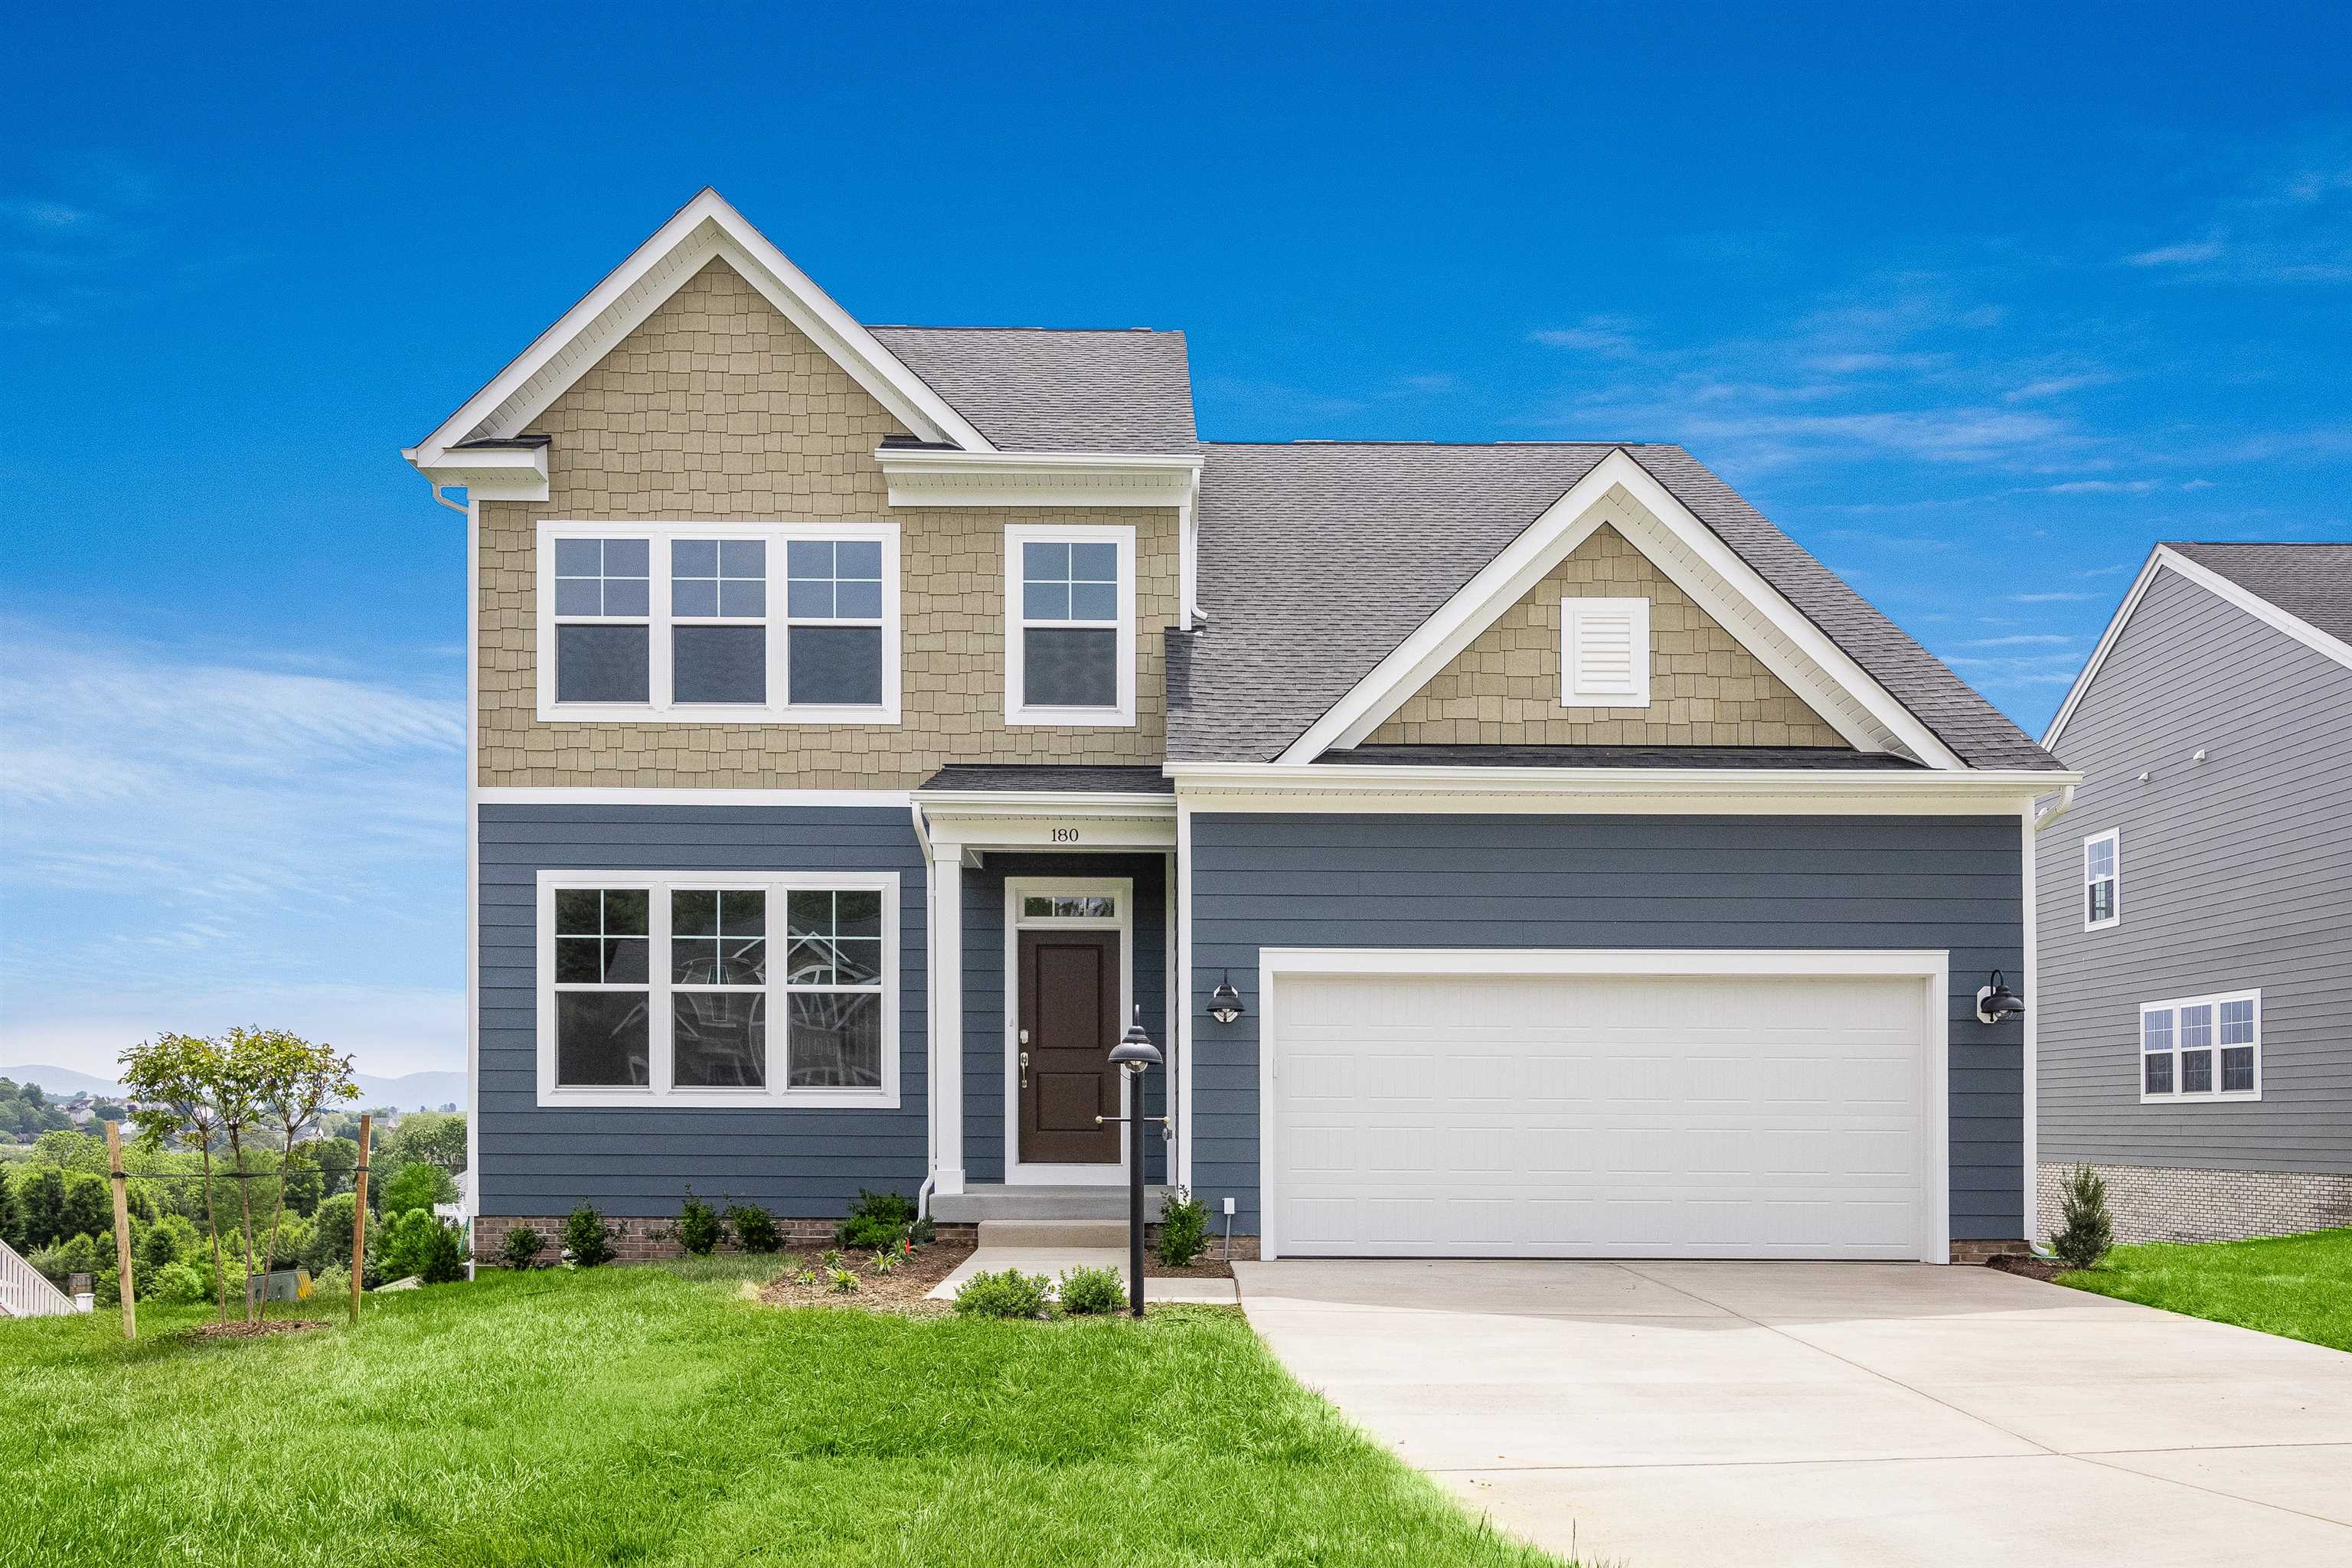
(1016, 708)
(2140, 1052)
(660, 1092)
(777, 710)
(2112, 838)
(1574, 695)
(1017, 1173)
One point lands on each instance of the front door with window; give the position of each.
(1069, 983)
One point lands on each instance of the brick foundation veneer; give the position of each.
(643, 1240)
(2163, 1203)
(1982, 1251)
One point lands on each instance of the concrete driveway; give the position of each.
(1705, 1415)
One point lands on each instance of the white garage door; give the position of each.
(1599, 1115)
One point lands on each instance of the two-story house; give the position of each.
(1516, 849)
(2197, 901)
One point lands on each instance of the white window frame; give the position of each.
(661, 1067)
(2140, 1052)
(1016, 707)
(1572, 692)
(659, 705)
(2113, 838)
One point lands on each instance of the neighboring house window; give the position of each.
(2202, 1047)
(1069, 626)
(1604, 653)
(661, 989)
(683, 622)
(2102, 880)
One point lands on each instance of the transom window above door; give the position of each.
(1069, 626)
(2202, 1047)
(1069, 907)
(689, 623)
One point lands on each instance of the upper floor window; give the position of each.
(1604, 653)
(2102, 880)
(2202, 1047)
(683, 622)
(1069, 625)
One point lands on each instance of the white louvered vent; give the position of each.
(1604, 660)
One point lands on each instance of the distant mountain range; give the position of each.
(430, 1090)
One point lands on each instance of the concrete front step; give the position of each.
(1000, 1201)
(1053, 1233)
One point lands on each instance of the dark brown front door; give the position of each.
(1069, 1013)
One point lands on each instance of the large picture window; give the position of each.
(2202, 1047)
(718, 623)
(663, 989)
(1069, 635)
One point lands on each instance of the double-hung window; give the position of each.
(2102, 880)
(2201, 1047)
(1069, 634)
(718, 989)
(718, 623)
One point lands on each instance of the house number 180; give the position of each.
(1065, 836)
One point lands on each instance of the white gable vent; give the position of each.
(1604, 657)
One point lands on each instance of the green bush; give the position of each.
(1087, 1291)
(754, 1227)
(1183, 1228)
(331, 1234)
(1011, 1294)
(172, 1239)
(418, 1243)
(522, 1246)
(874, 1221)
(76, 1254)
(330, 1285)
(415, 1185)
(587, 1239)
(2089, 1229)
(177, 1285)
(698, 1229)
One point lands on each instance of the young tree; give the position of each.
(293, 1081)
(174, 1080)
(9, 1230)
(436, 1138)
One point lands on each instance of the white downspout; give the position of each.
(930, 1024)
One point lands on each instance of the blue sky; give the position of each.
(1978, 302)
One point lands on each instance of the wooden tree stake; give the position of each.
(121, 1228)
(358, 1216)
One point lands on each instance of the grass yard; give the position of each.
(2298, 1286)
(654, 1415)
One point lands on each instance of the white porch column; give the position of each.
(947, 1012)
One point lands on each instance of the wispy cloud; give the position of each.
(2023, 639)
(2186, 253)
(1610, 337)
(2287, 219)
(2051, 598)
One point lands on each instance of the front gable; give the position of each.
(1705, 689)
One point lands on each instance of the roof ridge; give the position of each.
(933, 327)
(1430, 441)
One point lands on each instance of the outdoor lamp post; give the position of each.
(1135, 1055)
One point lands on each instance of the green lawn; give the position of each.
(2299, 1286)
(654, 1415)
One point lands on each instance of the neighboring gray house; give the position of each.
(1517, 850)
(2195, 901)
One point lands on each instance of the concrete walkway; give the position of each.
(1715, 1414)
(1050, 1247)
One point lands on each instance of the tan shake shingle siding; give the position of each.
(717, 407)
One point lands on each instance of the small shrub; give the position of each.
(843, 1280)
(806, 1275)
(587, 1239)
(418, 1243)
(829, 1259)
(177, 1285)
(1183, 1228)
(522, 1246)
(754, 1227)
(1011, 1294)
(332, 1284)
(1088, 1291)
(885, 1262)
(698, 1229)
(875, 1220)
(2089, 1229)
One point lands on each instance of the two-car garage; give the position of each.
(1587, 1103)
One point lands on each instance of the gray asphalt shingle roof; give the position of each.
(1050, 389)
(2310, 581)
(1073, 778)
(1318, 558)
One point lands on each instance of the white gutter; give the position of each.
(931, 1027)
(2048, 816)
(1373, 778)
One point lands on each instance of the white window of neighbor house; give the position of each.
(1069, 626)
(2102, 880)
(1604, 653)
(2201, 1047)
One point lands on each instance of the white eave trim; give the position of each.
(1524, 563)
(705, 228)
(2165, 558)
(976, 803)
(492, 473)
(938, 478)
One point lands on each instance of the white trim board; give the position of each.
(707, 227)
(1016, 1172)
(1930, 966)
(2165, 558)
(1696, 560)
(590, 795)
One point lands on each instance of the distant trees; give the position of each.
(25, 1113)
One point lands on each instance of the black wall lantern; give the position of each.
(1224, 1002)
(1997, 1004)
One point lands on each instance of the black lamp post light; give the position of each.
(1135, 1055)
(1996, 1002)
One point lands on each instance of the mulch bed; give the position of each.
(905, 1290)
(2026, 1264)
(1208, 1265)
(254, 1331)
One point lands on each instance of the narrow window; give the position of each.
(834, 607)
(602, 990)
(2102, 876)
(719, 613)
(833, 989)
(2156, 1051)
(603, 622)
(2239, 1032)
(2197, 1049)
(719, 976)
(1069, 624)
(1604, 654)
